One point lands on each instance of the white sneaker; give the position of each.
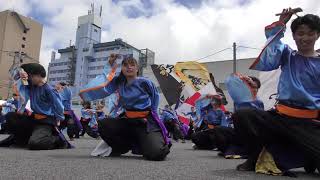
(194, 146)
(102, 149)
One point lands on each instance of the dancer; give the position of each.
(139, 128)
(37, 131)
(295, 121)
(88, 120)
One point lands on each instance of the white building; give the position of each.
(80, 63)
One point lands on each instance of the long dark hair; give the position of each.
(121, 77)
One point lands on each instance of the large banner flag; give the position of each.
(183, 84)
(169, 82)
(219, 91)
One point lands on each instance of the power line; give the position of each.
(248, 47)
(213, 54)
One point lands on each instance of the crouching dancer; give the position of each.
(295, 122)
(36, 130)
(139, 128)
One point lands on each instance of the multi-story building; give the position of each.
(80, 63)
(20, 37)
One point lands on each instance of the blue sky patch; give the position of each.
(191, 4)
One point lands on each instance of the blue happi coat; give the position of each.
(300, 76)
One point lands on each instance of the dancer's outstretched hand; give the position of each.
(286, 15)
(113, 58)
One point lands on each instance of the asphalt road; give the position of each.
(182, 163)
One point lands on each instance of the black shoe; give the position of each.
(64, 145)
(310, 167)
(247, 166)
(3, 131)
(10, 140)
(221, 154)
(115, 154)
(61, 144)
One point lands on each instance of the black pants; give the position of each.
(3, 124)
(174, 129)
(123, 134)
(87, 129)
(257, 128)
(72, 128)
(31, 133)
(190, 131)
(204, 139)
(224, 137)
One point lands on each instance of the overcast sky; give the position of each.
(177, 30)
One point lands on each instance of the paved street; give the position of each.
(182, 163)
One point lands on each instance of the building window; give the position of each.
(91, 68)
(92, 60)
(102, 59)
(106, 49)
(91, 76)
(24, 38)
(95, 30)
(23, 46)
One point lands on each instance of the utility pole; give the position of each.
(234, 63)
(234, 57)
(73, 66)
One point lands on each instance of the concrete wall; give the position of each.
(12, 37)
(3, 19)
(3, 56)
